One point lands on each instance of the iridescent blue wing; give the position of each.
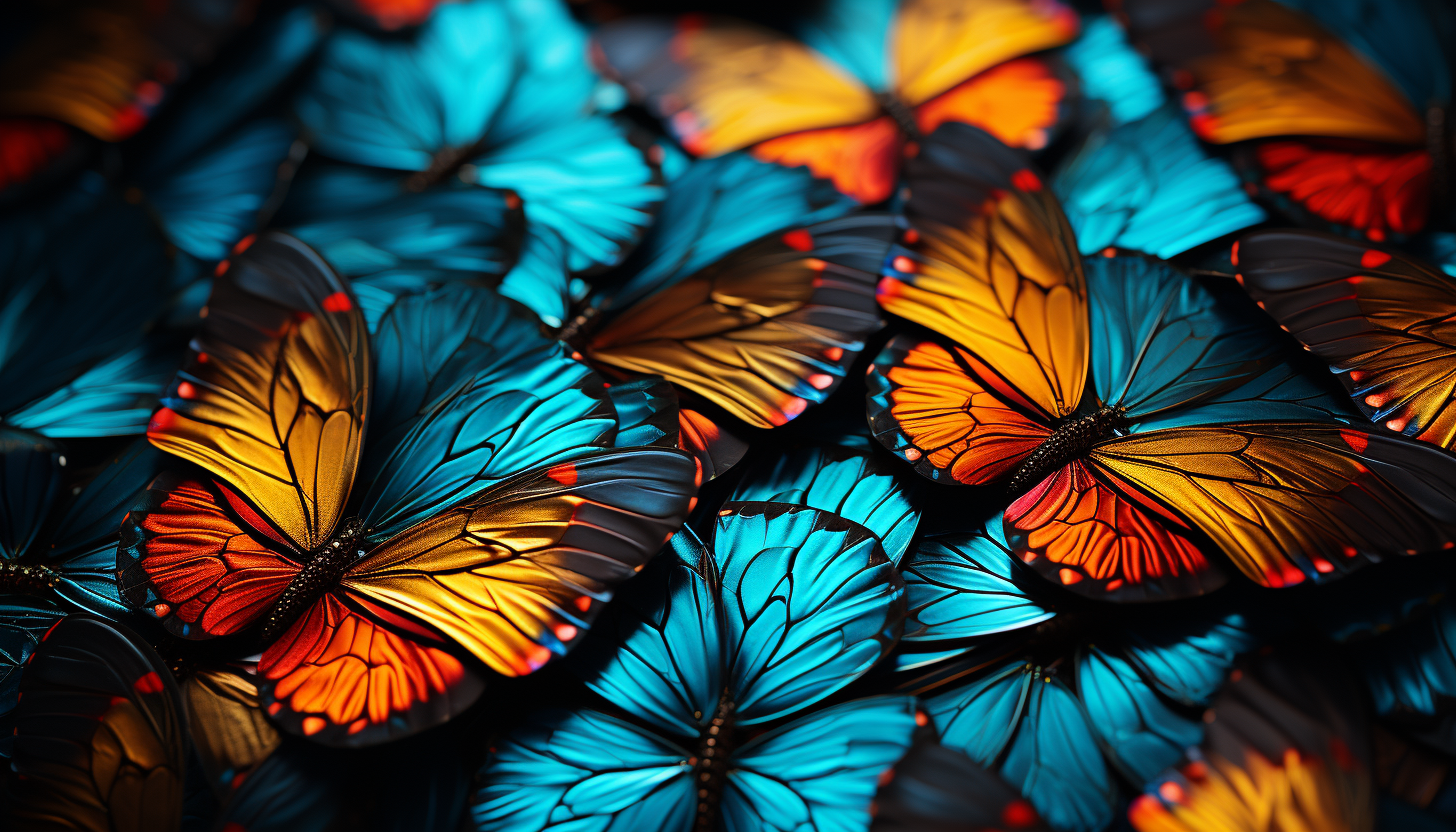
(1148, 186)
(1056, 763)
(1139, 731)
(658, 651)
(1113, 72)
(394, 102)
(647, 413)
(810, 603)
(1188, 660)
(22, 623)
(299, 786)
(819, 771)
(115, 397)
(714, 207)
(966, 585)
(1174, 352)
(389, 241)
(851, 483)
(524, 411)
(98, 268)
(569, 770)
(209, 202)
(855, 35)
(589, 194)
(83, 547)
(30, 479)
(980, 718)
(1410, 670)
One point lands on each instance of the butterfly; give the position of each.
(1287, 743)
(489, 510)
(96, 71)
(83, 261)
(1139, 179)
(758, 318)
(497, 95)
(937, 789)
(1129, 412)
(1374, 315)
(1336, 133)
(858, 91)
(716, 659)
(1055, 694)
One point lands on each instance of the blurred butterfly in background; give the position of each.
(96, 70)
(491, 94)
(492, 508)
(1380, 318)
(937, 789)
(1139, 179)
(1287, 747)
(851, 98)
(1057, 695)
(753, 295)
(715, 660)
(1194, 424)
(1342, 103)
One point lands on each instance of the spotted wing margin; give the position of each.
(516, 574)
(100, 740)
(274, 391)
(1289, 500)
(767, 330)
(1381, 319)
(991, 262)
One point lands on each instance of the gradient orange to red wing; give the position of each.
(863, 160)
(1081, 532)
(213, 578)
(1018, 102)
(1378, 191)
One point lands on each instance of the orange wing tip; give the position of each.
(565, 473)
(1373, 259)
(337, 302)
(789, 410)
(799, 240)
(150, 683)
(536, 657)
(313, 724)
(1069, 576)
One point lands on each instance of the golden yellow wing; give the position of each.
(1288, 501)
(228, 727)
(273, 395)
(723, 85)
(938, 44)
(517, 574)
(991, 262)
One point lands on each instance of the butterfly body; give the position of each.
(320, 574)
(1068, 442)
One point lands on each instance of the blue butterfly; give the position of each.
(46, 570)
(718, 657)
(1054, 695)
(84, 262)
(1140, 180)
(496, 94)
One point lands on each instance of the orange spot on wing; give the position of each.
(1171, 791)
(565, 473)
(162, 420)
(820, 381)
(799, 240)
(313, 724)
(834, 353)
(186, 390)
(1069, 576)
(583, 603)
(863, 160)
(903, 264)
(1234, 255)
(1356, 440)
(150, 683)
(1018, 102)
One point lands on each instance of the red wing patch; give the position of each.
(1374, 190)
(863, 160)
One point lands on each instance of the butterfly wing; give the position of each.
(23, 622)
(1374, 316)
(273, 395)
(965, 585)
(515, 574)
(821, 770)
(767, 330)
(229, 731)
(584, 767)
(937, 789)
(1138, 730)
(100, 733)
(991, 263)
(1290, 501)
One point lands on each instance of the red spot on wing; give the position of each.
(186, 390)
(820, 381)
(1234, 254)
(583, 603)
(911, 236)
(799, 240)
(338, 302)
(1018, 814)
(245, 244)
(834, 353)
(903, 264)
(1171, 791)
(1025, 180)
(565, 473)
(150, 683)
(1069, 576)
(1373, 259)
(221, 269)
(162, 420)
(1356, 440)
(1323, 566)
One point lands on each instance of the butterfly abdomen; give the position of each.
(317, 577)
(903, 116)
(1070, 441)
(27, 579)
(710, 766)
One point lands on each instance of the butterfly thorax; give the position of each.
(710, 764)
(446, 162)
(902, 115)
(1070, 440)
(319, 575)
(27, 578)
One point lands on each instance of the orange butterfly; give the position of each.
(850, 101)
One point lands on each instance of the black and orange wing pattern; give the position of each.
(1381, 319)
(767, 330)
(100, 734)
(273, 395)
